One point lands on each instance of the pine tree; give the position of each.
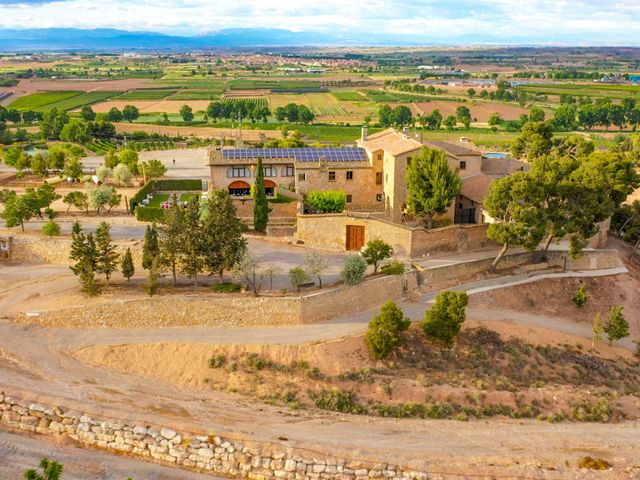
(107, 256)
(260, 205)
(191, 255)
(170, 237)
(617, 327)
(86, 273)
(432, 186)
(150, 248)
(223, 244)
(152, 279)
(127, 265)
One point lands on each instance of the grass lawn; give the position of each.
(185, 197)
(158, 198)
(36, 101)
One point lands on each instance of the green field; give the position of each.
(37, 101)
(147, 94)
(349, 96)
(333, 111)
(256, 102)
(583, 90)
(196, 95)
(87, 98)
(194, 83)
(101, 146)
(157, 199)
(248, 84)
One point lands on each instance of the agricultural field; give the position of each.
(349, 96)
(480, 111)
(334, 111)
(87, 98)
(150, 106)
(37, 101)
(147, 94)
(257, 84)
(256, 102)
(196, 95)
(101, 147)
(584, 90)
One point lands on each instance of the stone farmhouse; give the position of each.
(372, 174)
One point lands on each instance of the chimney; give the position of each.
(365, 131)
(405, 131)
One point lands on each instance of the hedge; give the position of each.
(149, 214)
(186, 184)
(179, 184)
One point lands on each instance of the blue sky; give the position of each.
(587, 21)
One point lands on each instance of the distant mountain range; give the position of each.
(73, 39)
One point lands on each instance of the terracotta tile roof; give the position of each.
(499, 167)
(476, 187)
(452, 148)
(391, 141)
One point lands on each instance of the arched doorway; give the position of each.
(239, 189)
(269, 188)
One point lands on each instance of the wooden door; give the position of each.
(355, 237)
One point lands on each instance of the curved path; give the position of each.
(38, 364)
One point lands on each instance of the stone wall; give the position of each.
(35, 248)
(198, 451)
(229, 309)
(591, 260)
(329, 231)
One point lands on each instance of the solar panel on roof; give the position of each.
(330, 154)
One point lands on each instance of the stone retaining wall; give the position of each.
(202, 451)
(329, 231)
(590, 260)
(229, 309)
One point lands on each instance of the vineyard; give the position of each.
(247, 84)
(255, 102)
(101, 147)
(147, 94)
(196, 95)
(349, 96)
(331, 111)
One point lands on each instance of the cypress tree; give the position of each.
(107, 256)
(127, 265)
(150, 249)
(260, 205)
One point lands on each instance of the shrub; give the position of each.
(394, 267)
(327, 201)
(444, 320)
(593, 463)
(376, 251)
(298, 276)
(217, 361)
(354, 269)
(385, 329)
(617, 327)
(337, 401)
(149, 214)
(51, 229)
(589, 412)
(580, 298)
(226, 287)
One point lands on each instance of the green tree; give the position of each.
(51, 470)
(186, 112)
(534, 141)
(39, 165)
(385, 330)
(402, 116)
(354, 269)
(126, 266)
(152, 278)
(471, 92)
(150, 248)
(444, 320)
(57, 157)
(617, 327)
(597, 330)
(494, 119)
(102, 197)
(114, 115)
(52, 123)
(76, 131)
(191, 255)
(536, 114)
(463, 115)
(385, 116)
(327, 201)
(260, 204)
(316, 264)
(129, 157)
(224, 246)
(375, 252)
(87, 113)
(515, 204)
(17, 210)
(51, 229)
(106, 251)
(152, 169)
(580, 298)
(72, 168)
(450, 122)
(564, 118)
(130, 113)
(432, 186)
(170, 238)
(122, 175)
(85, 253)
(297, 276)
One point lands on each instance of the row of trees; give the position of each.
(238, 108)
(569, 190)
(57, 125)
(14, 116)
